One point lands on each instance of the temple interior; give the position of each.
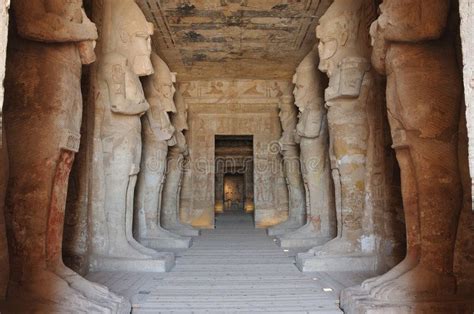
(237, 156)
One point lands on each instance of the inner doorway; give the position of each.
(234, 188)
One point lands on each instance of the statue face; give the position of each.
(328, 48)
(141, 50)
(301, 91)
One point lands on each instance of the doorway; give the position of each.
(234, 174)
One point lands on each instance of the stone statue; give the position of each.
(177, 155)
(158, 134)
(424, 94)
(313, 138)
(289, 149)
(345, 51)
(121, 101)
(43, 116)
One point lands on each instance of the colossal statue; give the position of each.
(313, 137)
(177, 155)
(289, 149)
(43, 116)
(119, 106)
(158, 134)
(351, 96)
(414, 50)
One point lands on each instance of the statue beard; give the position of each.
(167, 103)
(142, 65)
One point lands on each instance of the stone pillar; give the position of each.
(157, 134)
(312, 135)
(119, 104)
(43, 115)
(354, 131)
(170, 218)
(4, 263)
(415, 49)
(289, 149)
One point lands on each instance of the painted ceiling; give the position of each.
(233, 39)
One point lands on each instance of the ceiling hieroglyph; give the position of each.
(237, 39)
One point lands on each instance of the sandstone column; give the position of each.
(313, 137)
(414, 49)
(289, 149)
(42, 117)
(158, 134)
(120, 102)
(177, 155)
(344, 49)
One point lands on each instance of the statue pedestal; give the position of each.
(304, 237)
(290, 225)
(364, 304)
(183, 230)
(308, 262)
(164, 262)
(163, 239)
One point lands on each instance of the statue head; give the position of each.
(180, 118)
(132, 35)
(343, 31)
(307, 81)
(163, 82)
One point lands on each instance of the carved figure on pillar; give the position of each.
(48, 45)
(312, 135)
(344, 50)
(289, 149)
(177, 154)
(121, 101)
(424, 92)
(158, 134)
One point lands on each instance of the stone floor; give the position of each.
(234, 268)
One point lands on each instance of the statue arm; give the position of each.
(115, 78)
(415, 21)
(35, 23)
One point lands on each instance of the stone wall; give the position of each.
(240, 107)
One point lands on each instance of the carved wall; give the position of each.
(238, 107)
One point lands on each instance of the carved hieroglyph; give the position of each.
(414, 50)
(4, 263)
(158, 134)
(42, 117)
(289, 149)
(312, 135)
(177, 154)
(120, 103)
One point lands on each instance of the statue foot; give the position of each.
(404, 266)
(336, 247)
(92, 290)
(306, 231)
(143, 250)
(46, 292)
(417, 284)
(290, 224)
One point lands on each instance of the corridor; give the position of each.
(234, 268)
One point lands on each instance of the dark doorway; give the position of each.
(234, 173)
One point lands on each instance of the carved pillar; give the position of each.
(43, 117)
(289, 149)
(157, 134)
(312, 134)
(356, 145)
(170, 218)
(119, 104)
(414, 48)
